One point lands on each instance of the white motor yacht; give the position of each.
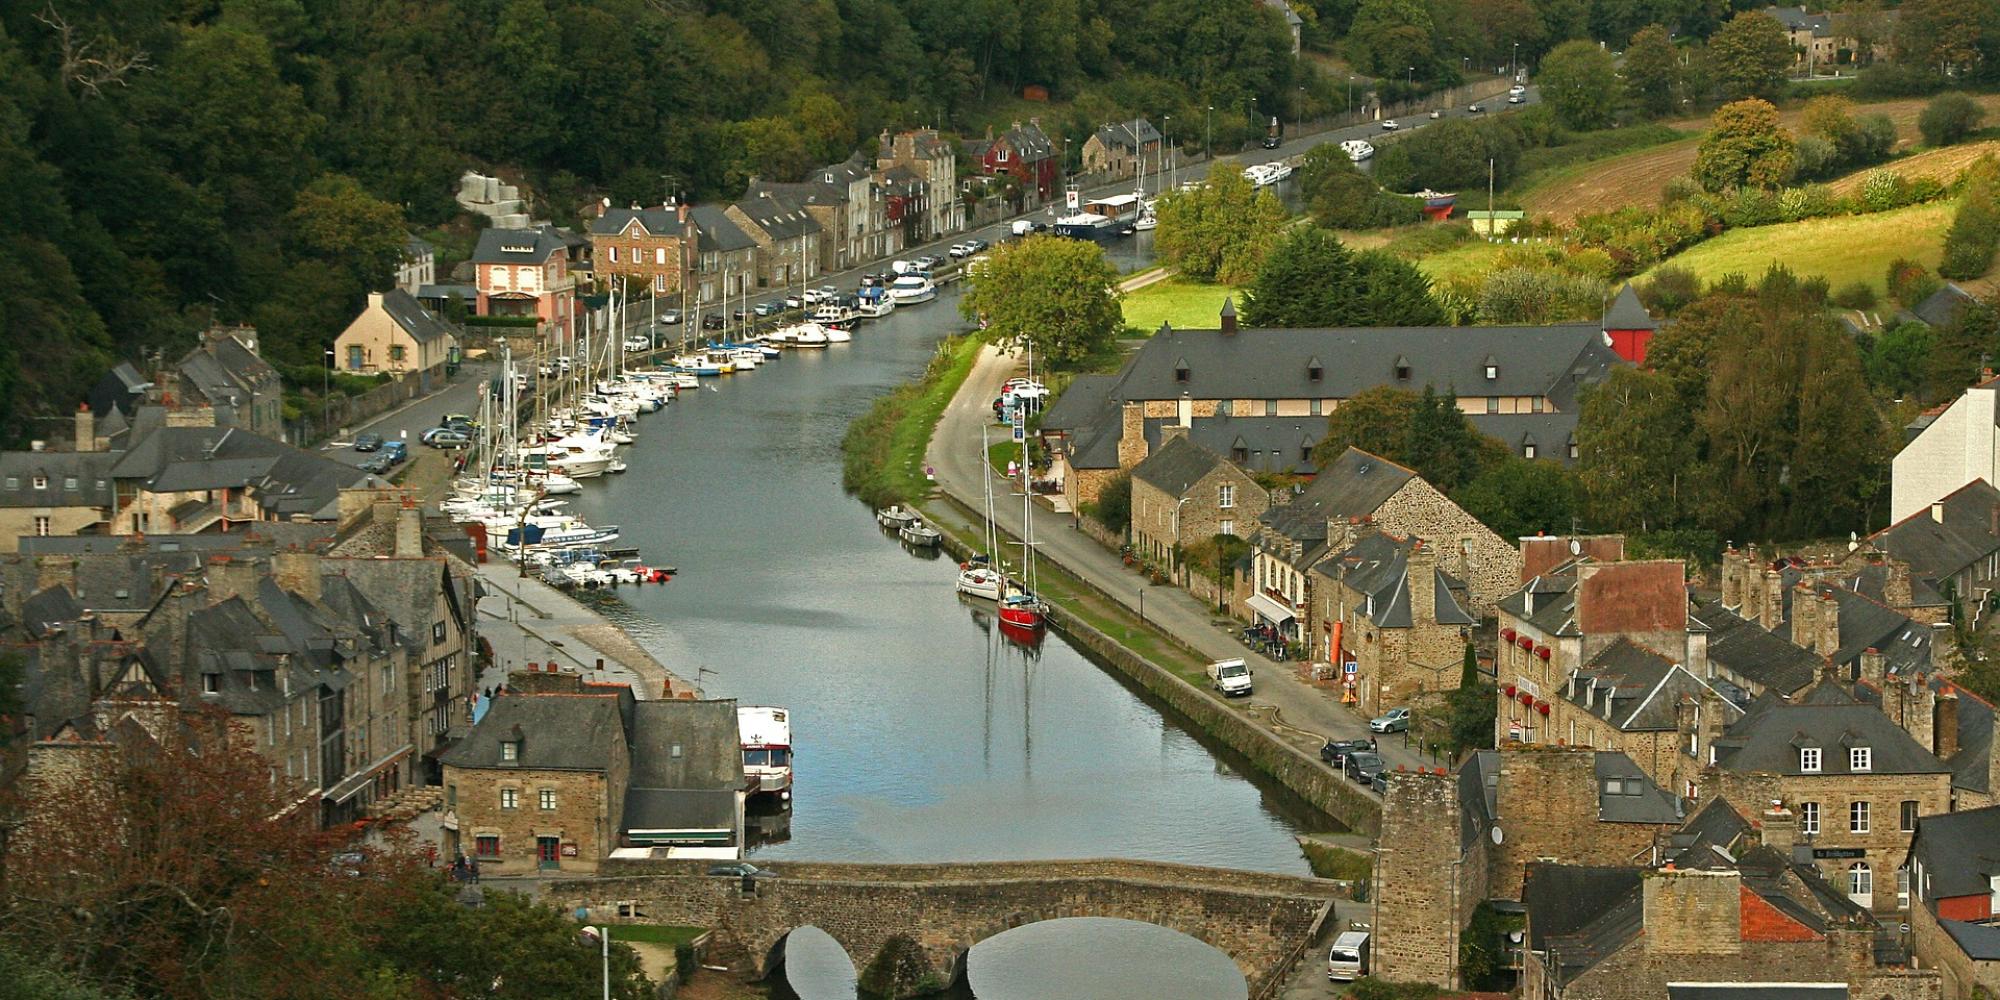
(911, 289)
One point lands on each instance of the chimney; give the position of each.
(1229, 316)
(1919, 709)
(1184, 411)
(228, 577)
(410, 531)
(1780, 828)
(374, 300)
(1131, 435)
(1422, 580)
(383, 510)
(86, 428)
(1735, 568)
(1896, 585)
(297, 572)
(1937, 511)
(1945, 732)
(683, 211)
(1875, 671)
(1773, 611)
(1827, 627)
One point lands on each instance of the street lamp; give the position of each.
(1350, 93)
(326, 395)
(1208, 138)
(1177, 530)
(603, 933)
(1514, 63)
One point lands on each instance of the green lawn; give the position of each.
(1186, 304)
(1467, 259)
(665, 934)
(1842, 250)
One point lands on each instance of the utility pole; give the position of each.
(1208, 139)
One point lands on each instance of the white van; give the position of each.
(1348, 960)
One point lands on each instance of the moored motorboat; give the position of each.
(894, 517)
(919, 534)
(911, 289)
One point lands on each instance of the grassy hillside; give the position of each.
(1186, 304)
(1843, 250)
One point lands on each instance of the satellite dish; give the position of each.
(1497, 837)
(1575, 547)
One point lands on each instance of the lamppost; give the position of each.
(1350, 93)
(1208, 138)
(1514, 62)
(1177, 530)
(603, 934)
(1168, 130)
(326, 394)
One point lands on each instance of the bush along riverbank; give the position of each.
(882, 456)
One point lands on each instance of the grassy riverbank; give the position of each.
(883, 452)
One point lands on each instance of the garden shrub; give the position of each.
(1855, 295)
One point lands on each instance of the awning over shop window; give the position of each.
(1277, 613)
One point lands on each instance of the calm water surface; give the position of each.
(921, 733)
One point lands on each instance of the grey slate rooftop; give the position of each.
(556, 732)
(1354, 485)
(1754, 653)
(1377, 566)
(1772, 732)
(1176, 465)
(518, 246)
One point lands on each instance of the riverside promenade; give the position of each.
(1286, 705)
(530, 622)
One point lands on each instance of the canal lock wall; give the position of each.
(1301, 772)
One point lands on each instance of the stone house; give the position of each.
(725, 264)
(1955, 878)
(1123, 149)
(1388, 609)
(647, 247)
(1025, 153)
(1518, 385)
(1294, 24)
(562, 779)
(1184, 493)
(1950, 546)
(396, 335)
(1631, 699)
(227, 374)
(418, 266)
(1296, 535)
(939, 211)
(847, 201)
(527, 273)
(788, 238)
(47, 493)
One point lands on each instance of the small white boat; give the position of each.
(982, 582)
(839, 334)
(806, 334)
(911, 289)
(617, 465)
(877, 307)
(1357, 149)
(919, 534)
(833, 313)
(894, 517)
(1147, 221)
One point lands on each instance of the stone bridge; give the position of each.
(1261, 921)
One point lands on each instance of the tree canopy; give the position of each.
(1744, 147)
(1750, 55)
(1311, 280)
(1055, 295)
(1580, 81)
(1219, 231)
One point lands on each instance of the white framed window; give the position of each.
(1909, 816)
(1860, 879)
(1809, 760)
(659, 255)
(1857, 817)
(1902, 888)
(510, 750)
(1809, 817)
(547, 798)
(1528, 451)
(42, 525)
(510, 798)
(1860, 759)
(1225, 496)
(1227, 527)
(41, 482)
(614, 255)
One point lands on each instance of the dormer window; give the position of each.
(1528, 446)
(1314, 371)
(1181, 370)
(1860, 759)
(510, 749)
(1402, 368)
(41, 482)
(1809, 760)
(211, 684)
(1492, 368)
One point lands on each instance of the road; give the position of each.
(959, 463)
(409, 422)
(849, 280)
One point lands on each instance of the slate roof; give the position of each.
(264, 536)
(1939, 550)
(407, 589)
(1769, 736)
(1626, 795)
(1757, 991)
(557, 732)
(1478, 789)
(715, 232)
(1754, 653)
(1872, 581)
(413, 317)
(518, 246)
(1980, 942)
(1134, 135)
(1551, 432)
(686, 745)
(119, 390)
(678, 809)
(1377, 566)
(1029, 142)
(1176, 465)
(1905, 645)
(224, 372)
(1942, 308)
(1563, 900)
(1628, 313)
(1292, 18)
(1354, 485)
(1959, 852)
(1635, 689)
(778, 216)
(88, 471)
(1715, 832)
(1258, 444)
(1547, 601)
(286, 480)
(1970, 766)
(1554, 361)
(48, 611)
(1796, 19)
(245, 655)
(652, 221)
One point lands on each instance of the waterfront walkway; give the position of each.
(528, 621)
(1303, 713)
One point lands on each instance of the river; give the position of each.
(921, 733)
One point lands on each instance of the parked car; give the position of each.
(425, 437)
(961, 250)
(1389, 125)
(1395, 720)
(1475, 109)
(1517, 89)
(1517, 98)
(1362, 766)
(828, 293)
(638, 343)
(1335, 751)
(767, 309)
(1380, 782)
(873, 280)
(395, 452)
(738, 869)
(1437, 113)
(795, 302)
(450, 439)
(926, 262)
(714, 321)
(457, 420)
(367, 442)
(377, 464)
(670, 317)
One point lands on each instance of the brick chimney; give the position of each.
(1826, 627)
(1229, 316)
(1919, 709)
(1780, 828)
(1945, 733)
(1131, 434)
(86, 428)
(297, 572)
(409, 530)
(1735, 571)
(1422, 581)
(1875, 671)
(229, 577)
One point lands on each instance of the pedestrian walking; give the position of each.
(475, 871)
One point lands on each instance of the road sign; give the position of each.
(1020, 434)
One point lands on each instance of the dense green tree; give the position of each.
(1652, 73)
(1452, 155)
(1374, 420)
(1941, 37)
(1744, 147)
(1054, 295)
(1391, 291)
(1425, 431)
(1389, 37)
(1897, 359)
(1517, 497)
(1220, 230)
(1949, 118)
(1974, 237)
(1750, 56)
(1580, 81)
(1311, 280)
(1339, 196)
(1637, 457)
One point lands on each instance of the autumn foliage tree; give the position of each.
(1744, 147)
(1221, 230)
